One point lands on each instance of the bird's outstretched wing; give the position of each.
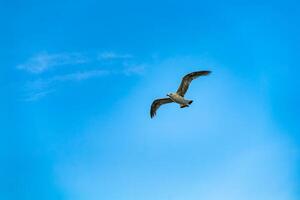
(187, 79)
(157, 103)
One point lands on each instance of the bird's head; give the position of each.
(170, 94)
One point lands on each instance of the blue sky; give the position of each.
(77, 79)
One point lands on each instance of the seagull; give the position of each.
(178, 96)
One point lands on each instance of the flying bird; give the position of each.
(178, 96)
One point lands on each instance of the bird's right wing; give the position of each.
(187, 79)
(157, 103)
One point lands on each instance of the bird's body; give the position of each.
(180, 100)
(178, 96)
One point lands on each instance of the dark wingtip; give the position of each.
(152, 115)
(207, 72)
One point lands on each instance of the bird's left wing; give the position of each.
(187, 79)
(157, 103)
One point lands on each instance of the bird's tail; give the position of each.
(184, 105)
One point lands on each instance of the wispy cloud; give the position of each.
(134, 69)
(40, 88)
(34, 96)
(44, 84)
(113, 55)
(42, 62)
(78, 76)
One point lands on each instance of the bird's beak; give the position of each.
(168, 95)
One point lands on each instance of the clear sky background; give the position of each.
(77, 79)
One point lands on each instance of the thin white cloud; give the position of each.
(135, 69)
(78, 76)
(40, 84)
(40, 88)
(113, 55)
(34, 96)
(44, 61)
